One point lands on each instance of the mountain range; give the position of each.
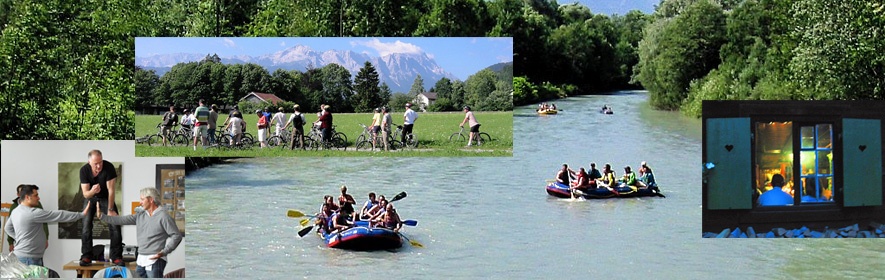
(398, 70)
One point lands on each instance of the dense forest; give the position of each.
(68, 66)
(696, 50)
(226, 84)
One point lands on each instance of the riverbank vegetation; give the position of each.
(696, 50)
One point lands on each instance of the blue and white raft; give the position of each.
(622, 191)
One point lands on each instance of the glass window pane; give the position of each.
(807, 159)
(807, 133)
(824, 162)
(824, 136)
(825, 184)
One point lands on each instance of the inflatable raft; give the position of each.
(548, 112)
(562, 191)
(363, 238)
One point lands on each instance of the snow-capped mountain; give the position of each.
(398, 70)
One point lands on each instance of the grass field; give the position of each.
(432, 130)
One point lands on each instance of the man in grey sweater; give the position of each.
(26, 225)
(153, 227)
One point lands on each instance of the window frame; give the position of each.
(797, 122)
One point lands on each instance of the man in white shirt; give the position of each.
(408, 122)
(278, 120)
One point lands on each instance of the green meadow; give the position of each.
(431, 129)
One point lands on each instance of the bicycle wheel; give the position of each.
(339, 143)
(485, 137)
(275, 141)
(180, 140)
(249, 136)
(246, 143)
(310, 144)
(341, 135)
(361, 138)
(364, 146)
(457, 137)
(224, 140)
(154, 140)
(411, 141)
(395, 145)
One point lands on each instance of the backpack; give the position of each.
(298, 121)
(169, 119)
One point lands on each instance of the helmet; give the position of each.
(258, 111)
(467, 108)
(408, 104)
(377, 109)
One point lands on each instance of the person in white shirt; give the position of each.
(408, 122)
(188, 120)
(278, 119)
(236, 126)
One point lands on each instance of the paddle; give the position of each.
(304, 222)
(413, 243)
(304, 231)
(297, 214)
(398, 196)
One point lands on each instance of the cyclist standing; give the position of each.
(170, 120)
(474, 126)
(297, 121)
(213, 123)
(201, 126)
(278, 120)
(386, 121)
(408, 121)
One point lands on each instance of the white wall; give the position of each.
(36, 162)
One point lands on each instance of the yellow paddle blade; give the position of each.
(294, 214)
(416, 244)
(304, 222)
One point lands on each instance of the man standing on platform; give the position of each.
(98, 179)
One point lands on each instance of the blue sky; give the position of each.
(460, 56)
(620, 7)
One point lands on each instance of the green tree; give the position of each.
(284, 85)
(146, 83)
(70, 61)
(417, 87)
(479, 87)
(679, 50)
(337, 88)
(367, 93)
(450, 18)
(841, 50)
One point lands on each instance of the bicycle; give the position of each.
(481, 137)
(173, 138)
(411, 138)
(364, 141)
(220, 133)
(224, 141)
(316, 135)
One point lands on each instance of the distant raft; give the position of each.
(363, 238)
(557, 189)
(547, 112)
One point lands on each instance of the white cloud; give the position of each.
(504, 58)
(389, 48)
(229, 43)
(282, 43)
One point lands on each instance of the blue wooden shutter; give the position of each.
(728, 147)
(862, 162)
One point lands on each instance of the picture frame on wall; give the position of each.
(170, 185)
